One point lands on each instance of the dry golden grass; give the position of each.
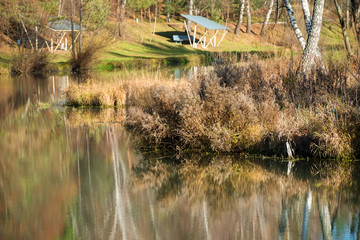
(95, 94)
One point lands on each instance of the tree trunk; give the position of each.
(191, 7)
(307, 15)
(238, 25)
(59, 13)
(267, 18)
(294, 24)
(248, 15)
(81, 37)
(313, 39)
(355, 16)
(120, 18)
(347, 14)
(343, 28)
(277, 11)
(72, 29)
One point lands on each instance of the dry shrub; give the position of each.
(253, 107)
(84, 59)
(94, 94)
(25, 61)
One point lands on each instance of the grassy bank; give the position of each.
(148, 45)
(256, 108)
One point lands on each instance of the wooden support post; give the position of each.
(52, 45)
(195, 45)
(59, 42)
(36, 39)
(74, 41)
(211, 39)
(27, 33)
(225, 32)
(200, 40)
(187, 31)
(47, 46)
(65, 44)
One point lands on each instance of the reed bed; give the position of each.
(95, 94)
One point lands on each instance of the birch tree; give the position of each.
(313, 38)
(307, 15)
(248, 15)
(239, 23)
(267, 17)
(294, 25)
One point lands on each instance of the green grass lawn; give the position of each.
(141, 44)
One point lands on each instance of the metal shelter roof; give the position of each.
(206, 23)
(63, 25)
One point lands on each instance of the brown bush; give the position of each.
(26, 61)
(253, 107)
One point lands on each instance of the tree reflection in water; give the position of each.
(84, 181)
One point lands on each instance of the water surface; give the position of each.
(75, 174)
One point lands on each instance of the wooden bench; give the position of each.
(181, 38)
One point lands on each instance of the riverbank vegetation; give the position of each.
(254, 107)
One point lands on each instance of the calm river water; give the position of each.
(71, 174)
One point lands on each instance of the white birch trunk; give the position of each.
(267, 17)
(248, 15)
(241, 14)
(307, 15)
(294, 24)
(313, 39)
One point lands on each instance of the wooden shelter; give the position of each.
(59, 31)
(208, 25)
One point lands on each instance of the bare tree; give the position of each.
(343, 28)
(248, 15)
(267, 17)
(239, 23)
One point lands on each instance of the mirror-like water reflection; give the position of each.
(66, 174)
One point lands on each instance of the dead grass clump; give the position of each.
(26, 61)
(93, 94)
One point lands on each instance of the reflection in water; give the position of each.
(66, 174)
